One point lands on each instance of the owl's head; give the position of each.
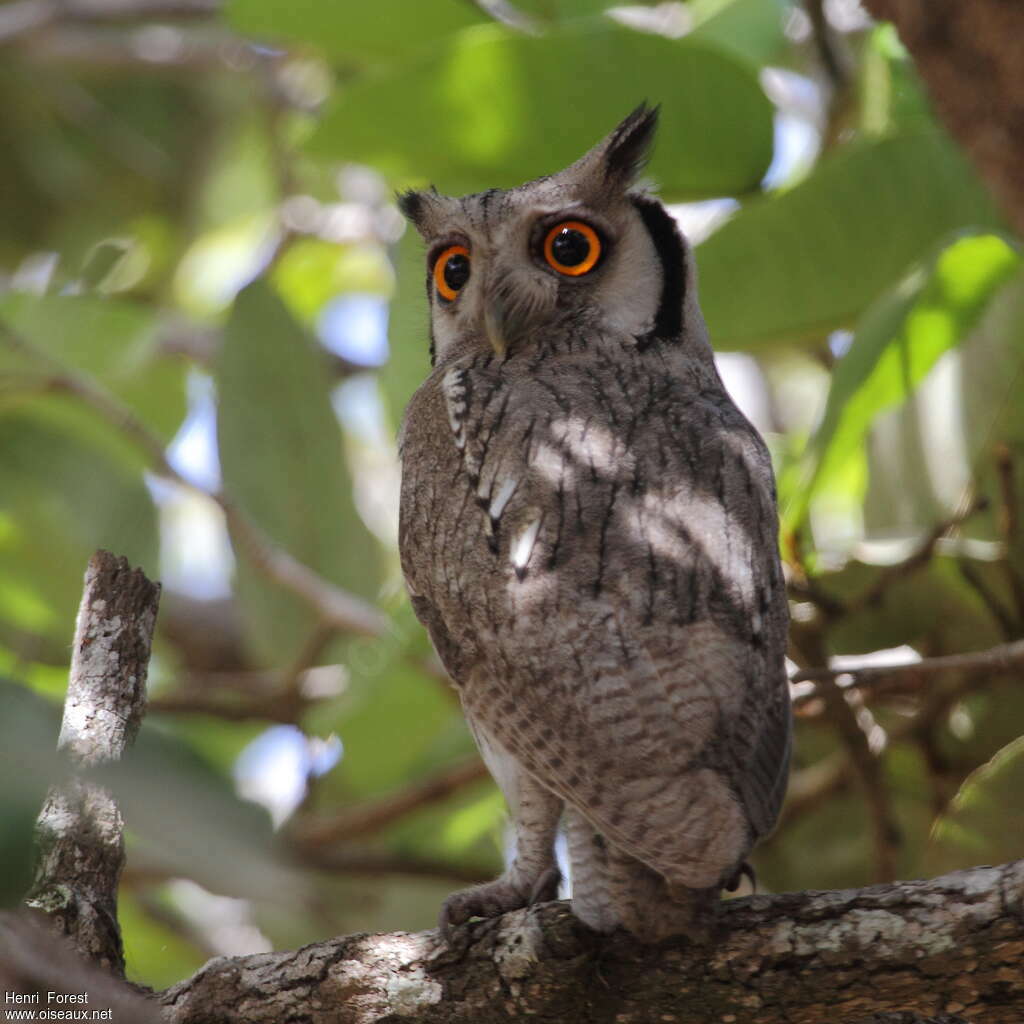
(544, 266)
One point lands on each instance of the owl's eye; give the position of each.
(451, 271)
(572, 248)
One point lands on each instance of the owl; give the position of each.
(588, 531)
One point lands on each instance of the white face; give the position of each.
(507, 269)
(560, 257)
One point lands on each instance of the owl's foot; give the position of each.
(745, 870)
(496, 898)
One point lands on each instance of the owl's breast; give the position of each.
(530, 489)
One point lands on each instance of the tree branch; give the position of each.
(911, 676)
(952, 945)
(80, 828)
(375, 815)
(34, 963)
(335, 607)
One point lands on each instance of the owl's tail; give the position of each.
(612, 889)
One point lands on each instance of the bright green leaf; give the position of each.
(311, 272)
(898, 341)
(798, 264)
(496, 109)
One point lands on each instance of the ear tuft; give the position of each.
(410, 203)
(629, 146)
(424, 210)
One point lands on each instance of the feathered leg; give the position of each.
(532, 876)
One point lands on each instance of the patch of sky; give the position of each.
(355, 327)
(274, 769)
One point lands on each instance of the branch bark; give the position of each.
(949, 949)
(969, 57)
(80, 829)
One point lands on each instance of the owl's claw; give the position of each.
(494, 899)
(745, 870)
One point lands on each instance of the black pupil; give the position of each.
(570, 247)
(456, 271)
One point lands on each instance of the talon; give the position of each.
(745, 870)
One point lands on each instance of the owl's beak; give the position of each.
(494, 324)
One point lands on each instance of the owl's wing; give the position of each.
(599, 571)
(663, 743)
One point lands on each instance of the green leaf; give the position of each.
(983, 824)
(311, 272)
(898, 341)
(282, 461)
(29, 764)
(752, 29)
(156, 954)
(934, 606)
(798, 264)
(408, 327)
(547, 100)
(385, 30)
(891, 97)
(112, 341)
(394, 720)
(62, 498)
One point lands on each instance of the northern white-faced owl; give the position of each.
(588, 530)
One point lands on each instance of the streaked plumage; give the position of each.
(588, 532)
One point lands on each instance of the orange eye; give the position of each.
(572, 248)
(451, 271)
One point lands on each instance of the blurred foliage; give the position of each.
(201, 255)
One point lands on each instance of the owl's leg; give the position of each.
(611, 889)
(532, 876)
(588, 873)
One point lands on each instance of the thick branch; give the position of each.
(35, 963)
(952, 945)
(80, 828)
(969, 57)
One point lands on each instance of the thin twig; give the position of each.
(343, 859)
(974, 580)
(824, 43)
(868, 766)
(234, 707)
(335, 607)
(1002, 658)
(377, 814)
(918, 559)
